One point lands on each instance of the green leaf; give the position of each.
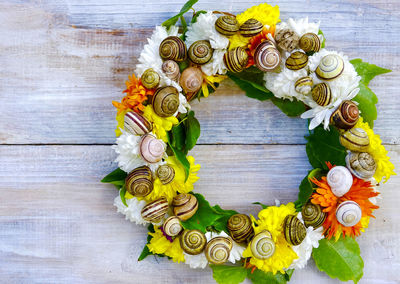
(289, 274)
(306, 188)
(192, 131)
(339, 259)
(181, 157)
(262, 205)
(146, 252)
(324, 40)
(290, 108)
(367, 71)
(251, 85)
(184, 27)
(172, 21)
(116, 177)
(122, 192)
(197, 14)
(224, 274)
(261, 277)
(178, 136)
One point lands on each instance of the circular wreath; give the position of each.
(286, 62)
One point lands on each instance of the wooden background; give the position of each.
(62, 62)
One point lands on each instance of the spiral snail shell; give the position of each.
(154, 211)
(340, 180)
(262, 245)
(150, 79)
(185, 206)
(267, 57)
(139, 182)
(330, 67)
(355, 139)
(313, 215)
(294, 230)
(236, 59)
(346, 115)
(286, 39)
(151, 149)
(251, 28)
(304, 85)
(296, 61)
(361, 164)
(322, 94)
(166, 174)
(310, 42)
(200, 52)
(227, 25)
(165, 101)
(173, 48)
(218, 249)
(172, 226)
(191, 79)
(171, 70)
(348, 213)
(240, 228)
(193, 241)
(136, 124)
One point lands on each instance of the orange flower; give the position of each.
(256, 40)
(359, 192)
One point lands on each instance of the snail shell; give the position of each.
(340, 180)
(361, 164)
(236, 59)
(151, 149)
(304, 85)
(286, 39)
(166, 174)
(200, 52)
(185, 206)
(154, 211)
(346, 115)
(173, 48)
(240, 228)
(313, 215)
(322, 94)
(191, 79)
(294, 230)
(136, 124)
(310, 42)
(171, 70)
(355, 139)
(348, 213)
(267, 57)
(227, 25)
(251, 28)
(218, 250)
(330, 67)
(150, 79)
(165, 101)
(172, 226)
(193, 241)
(296, 61)
(262, 245)
(139, 182)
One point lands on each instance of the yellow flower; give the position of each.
(160, 245)
(120, 122)
(160, 124)
(210, 80)
(271, 219)
(364, 224)
(384, 168)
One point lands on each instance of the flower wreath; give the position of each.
(287, 63)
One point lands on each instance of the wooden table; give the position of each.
(62, 62)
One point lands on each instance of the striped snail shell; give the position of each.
(193, 241)
(330, 67)
(165, 101)
(355, 139)
(267, 57)
(191, 79)
(172, 226)
(304, 85)
(262, 245)
(218, 250)
(227, 25)
(313, 215)
(251, 28)
(322, 94)
(348, 213)
(154, 211)
(166, 174)
(296, 61)
(361, 164)
(171, 70)
(340, 180)
(150, 79)
(286, 39)
(294, 230)
(139, 182)
(200, 52)
(236, 59)
(136, 124)
(310, 42)
(240, 228)
(185, 206)
(151, 149)
(346, 115)
(173, 48)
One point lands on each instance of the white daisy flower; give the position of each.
(196, 261)
(216, 65)
(299, 26)
(133, 211)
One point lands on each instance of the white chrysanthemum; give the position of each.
(216, 64)
(128, 152)
(299, 26)
(133, 211)
(196, 261)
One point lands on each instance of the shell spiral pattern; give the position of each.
(171, 70)
(236, 59)
(150, 79)
(251, 28)
(136, 124)
(193, 241)
(165, 101)
(267, 57)
(173, 48)
(262, 245)
(172, 226)
(340, 180)
(200, 52)
(218, 249)
(294, 231)
(191, 79)
(313, 215)
(355, 139)
(185, 206)
(361, 164)
(296, 61)
(348, 213)
(346, 115)
(310, 42)
(240, 228)
(330, 67)
(139, 182)
(286, 39)
(151, 149)
(155, 211)
(322, 94)
(227, 25)
(166, 174)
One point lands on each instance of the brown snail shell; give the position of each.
(227, 25)
(193, 241)
(171, 70)
(262, 245)
(236, 59)
(139, 182)
(294, 230)
(348, 213)
(251, 28)
(330, 67)
(346, 115)
(191, 79)
(313, 215)
(185, 206)
(286, 39)
(310, 42)
(322, 94)
(240, 228)
(154, 211)
(361, 164)
(166, 174)
(218, 250)
(165, 101)
(173, 48)
(150, 79)
(172, 226)
(296, 61)
(136, 124)
(304, 85)
(151, 149)
(267, 57)
(200, 52)
(340, 180)
(355, 139)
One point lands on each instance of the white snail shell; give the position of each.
(362, 165)
(151, 148)
(218, 249)
(348, 213)
(171, 70)
(330, 67)
(262, 246)
(340, 180)
(172, 226)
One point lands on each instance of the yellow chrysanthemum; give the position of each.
(364, 225)
(120, 122)
(160, 245)
(384, 168)
(161, 125)
(271, 219)
(210, 80)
